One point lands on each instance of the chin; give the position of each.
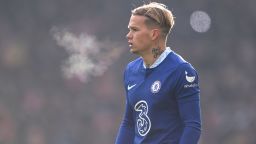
(133, 51)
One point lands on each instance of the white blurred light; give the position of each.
(200, 21)
(87, 56)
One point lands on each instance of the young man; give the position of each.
(162, 91)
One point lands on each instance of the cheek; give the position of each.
(142, 38)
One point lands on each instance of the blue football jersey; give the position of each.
(162, 103)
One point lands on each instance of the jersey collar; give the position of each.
(160, 59)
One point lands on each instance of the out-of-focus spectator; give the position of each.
(7, 126)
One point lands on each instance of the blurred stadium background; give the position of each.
(62, 62)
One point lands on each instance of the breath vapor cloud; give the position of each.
(88, 56)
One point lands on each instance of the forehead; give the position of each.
(136, 21)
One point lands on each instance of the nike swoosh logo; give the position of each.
(130, 87)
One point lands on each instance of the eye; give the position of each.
(133, 29)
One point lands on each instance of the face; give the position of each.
(139, 35)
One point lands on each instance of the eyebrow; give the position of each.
(132, 27)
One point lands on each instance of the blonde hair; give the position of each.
(157, 15)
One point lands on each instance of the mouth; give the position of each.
(130, 44)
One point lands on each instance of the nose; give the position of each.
(128, 35)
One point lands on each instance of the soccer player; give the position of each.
(162, 90)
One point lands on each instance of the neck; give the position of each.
(153, 55)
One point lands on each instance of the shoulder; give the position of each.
(134, 65)
(176, 59)
(179, 61)
(186, 68)
(179, 65)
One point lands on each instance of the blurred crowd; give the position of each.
(38, 105)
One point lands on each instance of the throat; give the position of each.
(147, 65)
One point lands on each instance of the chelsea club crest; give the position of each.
(155, 87)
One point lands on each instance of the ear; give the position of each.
(155, 34)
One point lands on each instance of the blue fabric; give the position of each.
(162, 103)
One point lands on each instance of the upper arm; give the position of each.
(188, 96)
